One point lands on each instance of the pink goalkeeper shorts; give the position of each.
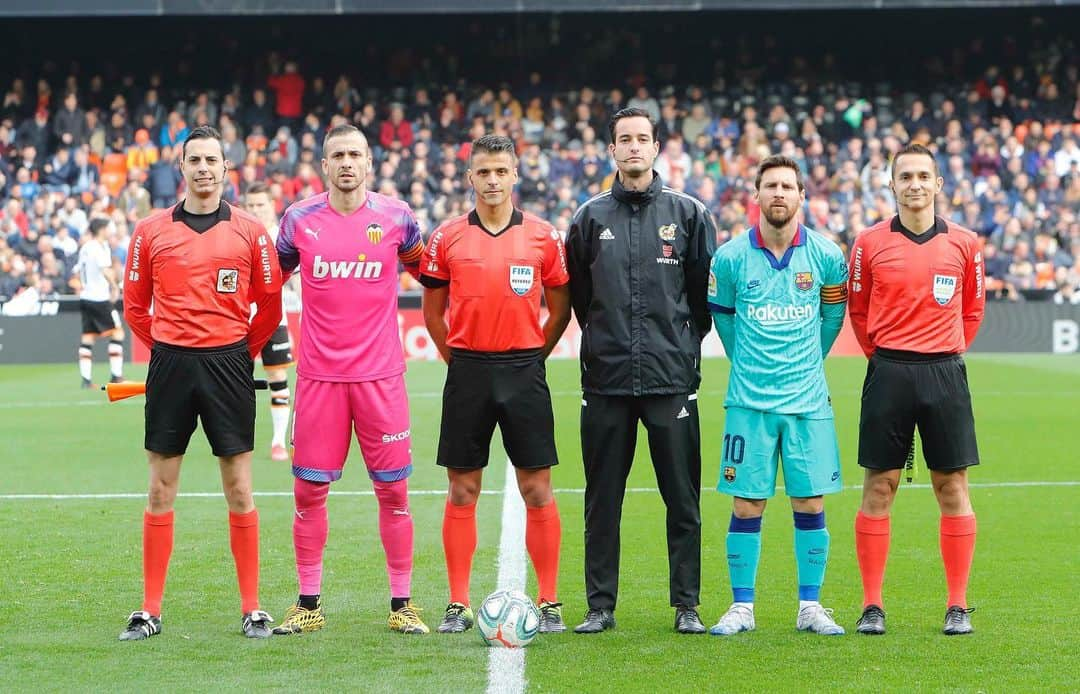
(327, 413)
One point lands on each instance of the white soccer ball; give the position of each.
(508, 619)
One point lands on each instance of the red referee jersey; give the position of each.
(202, 285)
(916, 292)
(495, 279)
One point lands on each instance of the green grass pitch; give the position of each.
(70, 569)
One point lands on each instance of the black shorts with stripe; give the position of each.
(504, 388)
(905, 390)
(211, 384)
(277, 353)
(98, 316)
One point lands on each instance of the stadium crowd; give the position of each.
(1006, 131)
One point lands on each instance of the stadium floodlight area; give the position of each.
(83, 8)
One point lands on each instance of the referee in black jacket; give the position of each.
(638, 258)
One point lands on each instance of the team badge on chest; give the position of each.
(804, 280)
(374, 233)
(521, 279)
(944, 288)
(228, 280)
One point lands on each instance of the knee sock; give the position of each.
(279, 411)
(543, 538)
(86, 354)
(459, 544)
(116, 358)
(396, 531)
(244, 541)
(157, 548)
(957, 551)
(743, 552)
(872, 548)
(811, 553)
(311, 527)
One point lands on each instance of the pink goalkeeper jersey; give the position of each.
(349, 284)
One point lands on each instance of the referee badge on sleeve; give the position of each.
(227, 280)
(521, 279)
(944, 288)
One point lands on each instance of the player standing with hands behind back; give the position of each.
(491, 267)
(201, 263)
(916, 302)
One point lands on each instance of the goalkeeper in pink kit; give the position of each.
(347, 244)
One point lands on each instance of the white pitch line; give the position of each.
(506, 666)
(491, 492)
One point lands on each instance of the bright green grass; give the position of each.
(70, 569)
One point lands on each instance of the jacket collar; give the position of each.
(633, 197)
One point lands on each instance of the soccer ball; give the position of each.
(508, 619)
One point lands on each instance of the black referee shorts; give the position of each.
(488, 388)
(98, 317)
(213, 384)
(903, 390)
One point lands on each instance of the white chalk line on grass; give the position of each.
(506, 666)
(487, 492)
(424, 395)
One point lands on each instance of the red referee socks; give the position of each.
(459, 544)
(957, 550)
(244, 540)
(543, 538)
(872, 547)
(157, 548)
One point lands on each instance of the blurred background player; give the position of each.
(200, 264)
(347, 243)
(277, 354)
(98, 292)
(917, 301)
(777, 296)
(495, 347)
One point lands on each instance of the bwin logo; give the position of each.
(771, 313)
(359, 269)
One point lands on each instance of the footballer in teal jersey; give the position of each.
(777, 294)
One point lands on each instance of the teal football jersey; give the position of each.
(777, 365)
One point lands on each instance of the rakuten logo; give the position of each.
(770, 313)
(358, 269)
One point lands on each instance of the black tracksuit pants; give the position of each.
(609, 426)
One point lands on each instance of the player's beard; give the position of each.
(777, 218)
(348, 185)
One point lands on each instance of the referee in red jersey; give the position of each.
(491, 267)
(201, 264)
(916, 301)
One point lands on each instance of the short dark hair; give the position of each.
(632, 113)
(493, 144)
(339, 130)
(97, 224)
(778, 161)
(256, 188)
(914, 148)
(203, 132)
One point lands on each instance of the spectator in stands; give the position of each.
(289, 95)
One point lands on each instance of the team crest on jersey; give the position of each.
(804, 280)
(667, 232)
(944, 288)
(227, 280)
(729, 473)
(374, 233)
(521, 279)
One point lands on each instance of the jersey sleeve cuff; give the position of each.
(433, 282)
(717, 308)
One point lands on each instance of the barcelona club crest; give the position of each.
(521, 279)
(804, 280)
(944, 288)
(374, 233)
(729, 473)
(667, 232)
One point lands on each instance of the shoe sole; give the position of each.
(959, 633)
(870, 632)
